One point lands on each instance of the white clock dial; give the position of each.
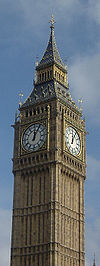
(34, 137)
(72, 140)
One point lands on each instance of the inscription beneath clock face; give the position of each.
(34, 137)
(72, 140)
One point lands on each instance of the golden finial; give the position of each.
(66, 68)
(80, 104)
(20, 116)
(52, 21)
(21, 97)
(36, 63)
(67, 79)
(35, 73)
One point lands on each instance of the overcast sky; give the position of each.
(24, 33)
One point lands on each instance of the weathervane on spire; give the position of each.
(52, 21)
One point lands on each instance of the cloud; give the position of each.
(87, 263)
(35, 12)
(93, 170)
(93, 10)
(5, 236)
(92, 224)
(84, 74)
(93, 240)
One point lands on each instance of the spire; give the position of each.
(94, 263)
(52, 76)
(51, 54)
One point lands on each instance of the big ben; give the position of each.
(49, 170)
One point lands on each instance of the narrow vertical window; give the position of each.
(30, 228)
(30, 112)
(27, 190)
(29, 260)
(70, 233)
(48, 74)
(39, 228)
(25, 260)
(38, 259)
(31, 189)
(42, 259)
(42, 76)
(44, 189)
(26, 231)
(26, 113)
(40, 192)
(21, 260)
(43, 227)
(73, 197)
(51, 74)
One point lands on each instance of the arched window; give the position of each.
(30, 112)
(51, 73)
(38, 110)
(26, 113)
(42, 76)
(34, 112)
(48, 74)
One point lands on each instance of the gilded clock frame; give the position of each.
(66, 124)
(79, 134)
(45, 141)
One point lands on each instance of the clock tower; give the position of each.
(49, 171)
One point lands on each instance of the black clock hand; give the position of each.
(35, 133)
(33, 137)
(37, 129)
(72, 138)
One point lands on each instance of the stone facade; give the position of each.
(48, 205)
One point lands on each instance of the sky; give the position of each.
(24, 33)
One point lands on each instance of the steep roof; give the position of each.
(51, 54)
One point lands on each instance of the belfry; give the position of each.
(49, 168)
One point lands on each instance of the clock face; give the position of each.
(72, 140)
(34, 137)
